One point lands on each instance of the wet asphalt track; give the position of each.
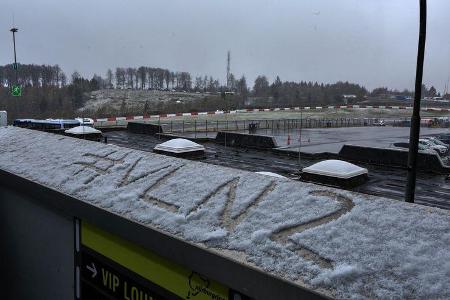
(432, 190)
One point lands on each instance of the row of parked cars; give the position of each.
(438, 144)
(435, 144)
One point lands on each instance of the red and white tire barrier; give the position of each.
(254, 110)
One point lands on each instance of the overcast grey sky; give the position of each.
(371, 42)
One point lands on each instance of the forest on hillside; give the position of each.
(47, 92)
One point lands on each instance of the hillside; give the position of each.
(114, 99)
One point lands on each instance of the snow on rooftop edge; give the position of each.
(335, 168)
(371, 247)
(270, 174)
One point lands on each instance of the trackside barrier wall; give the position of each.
(256, 110)
(54, 244)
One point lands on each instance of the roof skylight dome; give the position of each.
(180, 147)
(80, 130)
(335, 172)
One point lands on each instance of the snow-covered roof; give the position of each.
(82, 130)
(270, 174)
(346, 244)
(179, 146)
(335, 168)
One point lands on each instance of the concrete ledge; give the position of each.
(111, 128)
(252, 281)
(309, 155)
(268, 238)
(169, 136)
(430, 162)
(234, 139)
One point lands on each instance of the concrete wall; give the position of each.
(430, 162)
(234, 139)
(144, 128)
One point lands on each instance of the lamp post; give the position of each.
(300, 140)
(415, 119)
(14, 30)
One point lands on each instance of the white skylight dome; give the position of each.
(82, 130)
(335, 168)
(270, 174)
(179, 146)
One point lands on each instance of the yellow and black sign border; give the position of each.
(165, 277)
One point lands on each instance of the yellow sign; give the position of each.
(154, 268)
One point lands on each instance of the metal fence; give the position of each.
(205, 126)
(198, 128)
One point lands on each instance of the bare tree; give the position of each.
(130, 77)
(120, 78)
(109, 79)
(142, 74)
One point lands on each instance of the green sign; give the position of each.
(16, 91)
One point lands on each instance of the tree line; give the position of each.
(426, 92)
(33, 75)
(158, 79)
(291, 93)
(47, 92)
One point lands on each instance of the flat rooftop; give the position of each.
(320, 140)
(330, 140)
(432, 189)
(340, 243)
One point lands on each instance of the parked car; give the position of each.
(437, 141)
(423, 148)
(85, 121)
(445, 138)
(441, 150)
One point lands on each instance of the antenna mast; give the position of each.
(446, 86)
(228, 70)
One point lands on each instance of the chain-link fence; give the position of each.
(205, 126)
(199, 128)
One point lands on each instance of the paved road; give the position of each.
(432, 190)
(318, 140)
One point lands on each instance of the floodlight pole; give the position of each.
(224, 95)
(415, 119)
(300, 140)
(14, 30)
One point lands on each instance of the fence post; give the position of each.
(206, 126)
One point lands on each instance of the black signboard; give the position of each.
(101, 278)
(108, 267)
